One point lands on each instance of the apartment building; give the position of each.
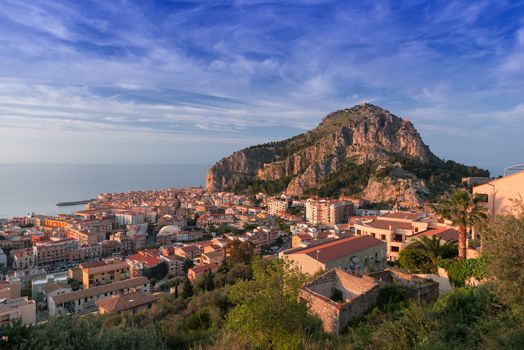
(23, 259)
(191, 251)
(56, 223)
(17, 309)
(394, 228)
(356, 255)
(104, 272)
(277, 206)
(141, 262)
(174, 263)
(85, 300)
(328, 212)
(214, 257)
(129, 218)
(53, 252)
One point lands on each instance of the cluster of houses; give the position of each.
(107, 257)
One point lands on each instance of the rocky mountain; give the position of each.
(363, 151)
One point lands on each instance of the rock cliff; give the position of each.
(364, 150)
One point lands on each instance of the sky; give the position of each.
(190, 82)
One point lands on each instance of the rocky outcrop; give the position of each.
(364, 134)
(240, 165)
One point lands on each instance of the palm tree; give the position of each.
(464, 210)
(434, 248)
(15, 335)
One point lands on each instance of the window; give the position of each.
(395, 249)
(484, 198)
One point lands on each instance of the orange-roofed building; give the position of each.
(197, 271)
(138, 262)
(355, 254)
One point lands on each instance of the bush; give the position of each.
(460, 270)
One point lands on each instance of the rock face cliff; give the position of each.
(362, 151)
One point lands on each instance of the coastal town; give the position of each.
(124, 250)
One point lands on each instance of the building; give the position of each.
(394, 228)
(17, 309)
(328, 212)
(104, 272)
(174, 263)
(356, 254)
(54, 289)
(189, 252)
(141, 262)
(276, 207)
(337, 297)
(86, 253)
(502, 194)
(23, 258)
(84, 237)
(53, 252)
(10, 289)
(445, 234)
(197, 271)
(40, 282)
(213, 257)
(128, 218)
(85, 300)
(132, 302)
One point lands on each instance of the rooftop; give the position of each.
(388, 224)
(123, 302)
(336, 249)
(89, 292)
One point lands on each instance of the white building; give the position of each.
(84, 300)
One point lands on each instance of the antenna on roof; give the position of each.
(516, 168)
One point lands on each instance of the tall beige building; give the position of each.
(502, 194)
(276, 206)
(328, 212)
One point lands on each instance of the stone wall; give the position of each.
(425, 290)
(359, 293)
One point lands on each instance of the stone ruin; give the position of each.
(337, 297)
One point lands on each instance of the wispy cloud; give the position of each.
(242, 72)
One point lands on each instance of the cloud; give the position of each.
(245, 72)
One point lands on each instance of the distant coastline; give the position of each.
(37, 188)
(68, 204)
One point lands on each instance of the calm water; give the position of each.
(26, 188)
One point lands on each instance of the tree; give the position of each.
(15, 335)
(413, 261)
(187, 290)
(157, 272)
(267, 310)
(434, 249)
(239, 252)
(188, 263)
(505, 256)
(464, 210)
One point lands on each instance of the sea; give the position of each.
(37, 188)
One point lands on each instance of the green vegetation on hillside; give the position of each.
(255, 185)
(349, 179)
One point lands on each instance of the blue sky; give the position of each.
(190, 82)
